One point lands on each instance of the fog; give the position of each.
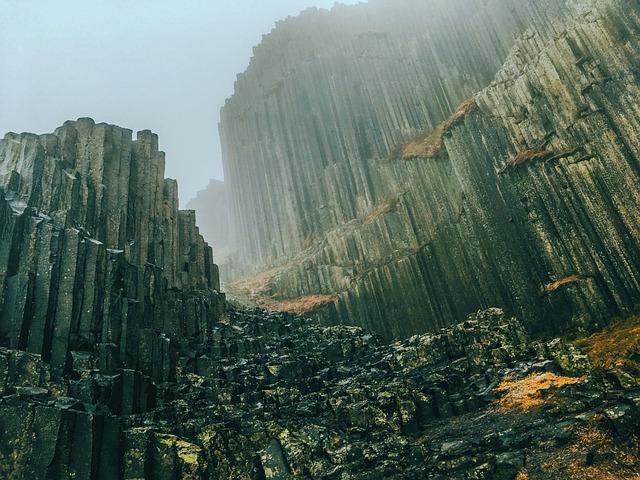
(150, 64)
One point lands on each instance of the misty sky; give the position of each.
(165, 65)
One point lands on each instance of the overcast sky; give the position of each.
(165, 65)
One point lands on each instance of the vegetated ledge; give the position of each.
(387, 206)
(532, 391)
(256, 285)
(527, 156)
(297, 306)
(255, 289)
(568, 280)
(430, 143)
(616, 347)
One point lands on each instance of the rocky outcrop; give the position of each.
(280, 397)
(524, 196)
(120, 359)
(106, 291)
(98, 265)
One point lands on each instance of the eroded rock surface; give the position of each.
(119, 358)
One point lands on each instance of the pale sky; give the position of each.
(163, 65)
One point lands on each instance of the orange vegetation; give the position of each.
(257, 286)
(531, 391)
(527, 155)
(616, 346)
(430, 143)
(297, 306)
(382, 209)
(465, 108)
(553, 286)
(427, 145)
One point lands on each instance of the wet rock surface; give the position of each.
(120, 359)
(104, 285)
(276, 396)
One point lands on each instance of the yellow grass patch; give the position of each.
(531, 391)
(297, 306)
(256, 284)
(615, 346)
(430, 143)
(256, 288)
(427, 145)
(553, 286)
(612, 461)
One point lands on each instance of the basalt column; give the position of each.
(402, 164)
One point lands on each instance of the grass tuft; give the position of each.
(553, 286)
(611, 460)
(526, 156)
(297, 306)
(430, 143)
(532, 391)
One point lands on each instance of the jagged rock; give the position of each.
(307, 401)
(104, 287)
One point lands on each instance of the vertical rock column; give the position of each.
(96, 255)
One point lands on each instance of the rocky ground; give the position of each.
(280, 397)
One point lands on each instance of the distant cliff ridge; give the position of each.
(212, 205)
(415, 161)
(396, 165)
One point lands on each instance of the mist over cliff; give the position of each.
(411, 162)
(429, 240)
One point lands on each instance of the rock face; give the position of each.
(98, 265)
(120, 359)
(521, 190)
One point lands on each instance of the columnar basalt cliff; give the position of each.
(107, 294)
(463, 169)
(95, 255)
(412, 164)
